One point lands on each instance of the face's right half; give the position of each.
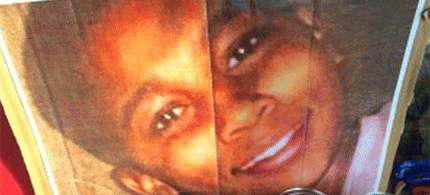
(276, 102)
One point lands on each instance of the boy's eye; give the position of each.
(240, 58)
(161, 115)
(165, 118)
(242, 51)
(173, 119)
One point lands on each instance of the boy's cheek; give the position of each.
(197, 153)
(285, 76)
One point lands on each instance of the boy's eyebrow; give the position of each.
(131, 104)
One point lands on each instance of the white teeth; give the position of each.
(285, 155)
(270, 151)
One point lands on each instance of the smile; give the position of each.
(277, 154)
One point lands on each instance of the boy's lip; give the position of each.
(279, 153)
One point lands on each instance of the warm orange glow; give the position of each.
(147, 183)
(291, 79)
(200, 151)
(162, 46)
(134, 46)
(145, 56)
(243, 116)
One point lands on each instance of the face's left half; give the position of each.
(137, 93)
(121, 91)
(157, 54)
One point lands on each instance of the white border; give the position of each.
(6, 2)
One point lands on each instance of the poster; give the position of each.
(209, 97)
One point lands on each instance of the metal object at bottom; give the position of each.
(302, 191)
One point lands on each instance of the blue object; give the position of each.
(413, 172)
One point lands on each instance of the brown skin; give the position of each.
(162, 64)
(282, 87)
(141, 73)
(278, 88)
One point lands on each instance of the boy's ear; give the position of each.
(136, 182)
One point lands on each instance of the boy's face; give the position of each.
(172, 125)
(162, 63)
(276, 108)
(276, 105)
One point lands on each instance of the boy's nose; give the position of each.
(243, 115)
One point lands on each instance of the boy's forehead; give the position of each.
(147, 56)
(140, 38)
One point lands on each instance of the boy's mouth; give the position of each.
(279, 153)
